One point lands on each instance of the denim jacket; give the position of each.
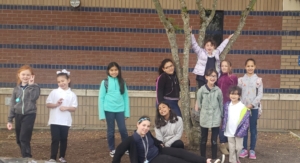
(242, 128)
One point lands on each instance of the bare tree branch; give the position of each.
(171, 33)
(243, 18)
(204, 20)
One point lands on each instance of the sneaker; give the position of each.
(223, 149)
(62, 159)
(112, 153)
(32, 161)
(219, 160)
(51, 160)
(127, 152)
(244, 153)
(252, 155)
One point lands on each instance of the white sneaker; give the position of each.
(127, 152)
(62, 159)
(51, 160)
(112, 153)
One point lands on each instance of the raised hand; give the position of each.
(191, 29)
(31, 80)
(229, 37)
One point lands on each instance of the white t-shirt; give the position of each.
(58, 117)
(234, 112)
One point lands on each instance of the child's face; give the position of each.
(225, 67)
(250, 67)
(25, 76)
(113, 72)
(211, 79)
(234, 96)
(143, 127)
(209, 47)
(168, 68)
(63, 82)
(164, 110)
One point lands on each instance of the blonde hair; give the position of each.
(229, 66)
(23, 68)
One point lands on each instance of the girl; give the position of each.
(114, 104)
(210, 101)
(226, 80)
(61, 102)
(144, 148)
(168, 126)
(252, 92)
(208, 57)
(235, 123)
(23, 108)
(167, 85)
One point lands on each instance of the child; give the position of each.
(235, 123)
(113, 104)
(167, 85)
(61, 102)
(226, 80)
(168, 126)
(208, 57)
(252, 92)
(23, 108)
(210, 101)
(144, 148)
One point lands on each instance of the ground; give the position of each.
(91, 146)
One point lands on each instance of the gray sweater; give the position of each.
(23, 101)
(210, 104)
(252, 90)
(169, 133)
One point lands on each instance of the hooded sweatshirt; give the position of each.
(23, 100)
(210, 103)
(252, 90)
(224, 82)
(112, 100)
(169, 133)
(167, 87)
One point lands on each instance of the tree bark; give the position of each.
(204, 20)
(243, 18)
(185, 92)
(171, 33)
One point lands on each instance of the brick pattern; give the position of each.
(289, 62)
(290, 81)
(291, 42)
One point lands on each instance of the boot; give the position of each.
(223, 149)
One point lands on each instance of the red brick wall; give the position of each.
(119, 39)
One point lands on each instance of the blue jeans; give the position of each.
(174, 106)
(253, 130)
(222, 137)
(110, 120)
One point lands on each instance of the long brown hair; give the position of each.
(23, 68)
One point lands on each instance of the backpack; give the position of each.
(258, 82)
(106, 84)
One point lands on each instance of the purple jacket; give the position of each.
(224, 82)
(202, 56)
(242, 128)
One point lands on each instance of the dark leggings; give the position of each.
(177, 144)
(214, 136)
(177, 155)
(59, 136)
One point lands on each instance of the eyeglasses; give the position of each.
(169, 67)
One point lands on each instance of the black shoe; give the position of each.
(219, 160)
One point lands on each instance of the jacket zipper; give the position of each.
(23, 101)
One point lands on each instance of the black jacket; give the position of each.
(167, 86)
(129, 144)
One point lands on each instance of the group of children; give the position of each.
(228, 106)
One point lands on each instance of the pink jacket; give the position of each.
(202, 56)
